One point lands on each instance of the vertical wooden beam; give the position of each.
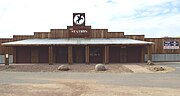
(70, 59)
(14, 55)
(105, 54)
(54, 54)
(149, 49)
(87, 54)
(50, 55)
(106, 57)
(142, 54)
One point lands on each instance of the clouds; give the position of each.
(154, 18)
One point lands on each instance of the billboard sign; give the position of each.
(171, 45)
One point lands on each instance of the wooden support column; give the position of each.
(51, 55)
(14, 55)
(54, 55)
(70, 58)
(106, 58)
(142, 54)
(87, 54)
(149, 55)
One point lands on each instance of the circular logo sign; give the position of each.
(79, 19)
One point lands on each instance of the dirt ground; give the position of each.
(82, 88)
(54, 68)
(73, 87)
(117, 68)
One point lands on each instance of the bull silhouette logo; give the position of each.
(79, 19)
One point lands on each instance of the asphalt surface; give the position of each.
(162, 80)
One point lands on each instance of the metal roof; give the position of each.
(76, 41)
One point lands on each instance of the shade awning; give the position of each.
(77, 41)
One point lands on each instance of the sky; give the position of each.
(152, 18)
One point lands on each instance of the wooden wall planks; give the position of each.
(136, 37)
(59, 33)
(3, 49)
(22, 37)
(157, 48)
(41, 35)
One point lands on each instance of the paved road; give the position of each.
(166, 80)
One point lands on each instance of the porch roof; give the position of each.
(77, 41)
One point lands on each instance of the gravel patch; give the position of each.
(152, 68)
(138, 69)
(54, 68)
(114, 68)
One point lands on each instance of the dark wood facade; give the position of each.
(114, 54)
(83, 53)
(76, 53)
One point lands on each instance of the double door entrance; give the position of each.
(78, 54)
(31, 55)
(117, 54)
(95, 54)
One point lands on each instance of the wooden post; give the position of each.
(149, 56)
(50, 55)
(142, 54)
(14, 55)
(106, 51)
(87, 54)
(70, 59)
(54, 55)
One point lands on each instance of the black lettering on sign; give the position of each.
(79, 31)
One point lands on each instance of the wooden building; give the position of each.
(81, 44)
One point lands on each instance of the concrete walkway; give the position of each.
(138, 69)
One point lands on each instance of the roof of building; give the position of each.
(76, 41)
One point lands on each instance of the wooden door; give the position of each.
(134, 54)
(34, 55)
(123, 55)
(23, 55)
(61, 55)
(114, 54)
(117, 54)
(96, 55)
(43, 54)
(78, 54)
